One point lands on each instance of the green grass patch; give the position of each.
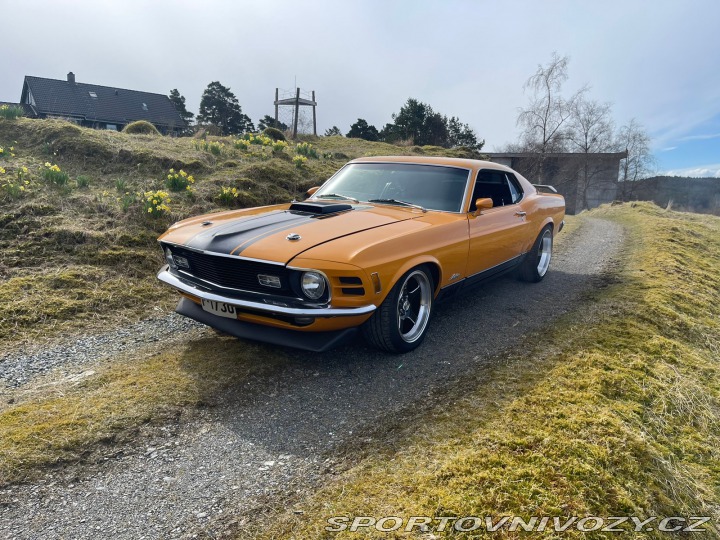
(614, 412)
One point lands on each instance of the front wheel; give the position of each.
(537, 261)
(400, 323)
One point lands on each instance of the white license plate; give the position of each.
(219, 308)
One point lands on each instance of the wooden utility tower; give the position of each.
(296, 102)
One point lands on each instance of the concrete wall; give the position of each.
(585, 180)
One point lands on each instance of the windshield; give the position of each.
(429, 186)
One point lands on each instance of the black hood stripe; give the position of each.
(269, 232)
(237, 235)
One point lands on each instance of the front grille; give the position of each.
(234, 273)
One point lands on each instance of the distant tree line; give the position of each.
(417, 123)
(679, 193)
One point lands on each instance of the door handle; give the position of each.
(521, 214)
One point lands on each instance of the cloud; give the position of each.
(668, 149)
(704, 171)
(700, 137)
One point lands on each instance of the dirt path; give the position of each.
(278, 433)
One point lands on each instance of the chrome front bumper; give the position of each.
(262, 308)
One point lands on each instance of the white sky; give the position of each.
(656, 61)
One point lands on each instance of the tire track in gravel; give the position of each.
(277, 433)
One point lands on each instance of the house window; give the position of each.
(144, 106)
(92, 94)
(112, 127)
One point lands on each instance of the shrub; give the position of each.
(279, 146)
(9, 188)
(306, 149)
(215, 148)
(179, 181)
(141, 127)
(7, 153)
(14, 188)
(155, 203)
(258, 139)
(274, 133)
(300, 161)
(53, 174)
(228, 195)
(127, 200)
(11, 112)
(83, 181)
(242, 144)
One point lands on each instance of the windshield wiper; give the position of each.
(336, 195)
(402, 203)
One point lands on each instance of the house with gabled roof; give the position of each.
(96, 106)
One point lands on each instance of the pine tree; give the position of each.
(219, 107)
(179, 102)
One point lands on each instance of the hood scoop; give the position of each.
(319, 207)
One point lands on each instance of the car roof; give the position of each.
(474, 164)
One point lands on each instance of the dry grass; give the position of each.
(615, 412)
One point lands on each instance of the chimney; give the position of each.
(71, 78)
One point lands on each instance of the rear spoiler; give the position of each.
(545, 186)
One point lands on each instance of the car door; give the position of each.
(496, 233)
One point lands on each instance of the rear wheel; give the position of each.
(400, 323)
(537, 261)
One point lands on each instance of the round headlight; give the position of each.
(169, 258)
(313, 285)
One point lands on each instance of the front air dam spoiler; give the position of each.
(309, 341)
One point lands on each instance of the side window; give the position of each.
(515, 190)
(494, 184)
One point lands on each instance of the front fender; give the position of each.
(413, 263)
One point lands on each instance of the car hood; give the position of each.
(262, 233)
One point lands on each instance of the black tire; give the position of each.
(537, 261)
(400, 323)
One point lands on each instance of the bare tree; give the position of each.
(590, 132)
(640, 162)
(544, 120)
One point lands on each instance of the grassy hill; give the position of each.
(77, 242)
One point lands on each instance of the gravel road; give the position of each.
(279, 433)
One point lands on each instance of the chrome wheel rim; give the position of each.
(413, 306)
(544, 253)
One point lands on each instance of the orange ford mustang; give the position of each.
(372, 249)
